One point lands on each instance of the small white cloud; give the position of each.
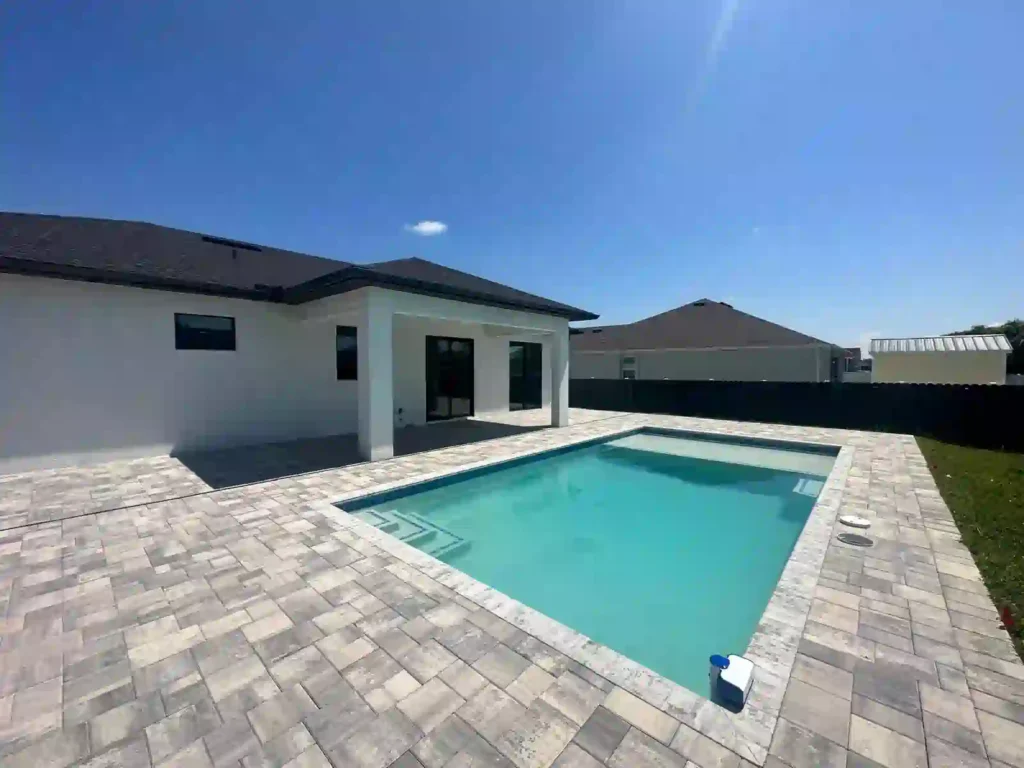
(427, 228)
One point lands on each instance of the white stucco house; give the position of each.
(966, 359)
(703, 340)
(122, 339)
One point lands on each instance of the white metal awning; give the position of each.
(989, 342)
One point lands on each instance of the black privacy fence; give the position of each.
(980, 416)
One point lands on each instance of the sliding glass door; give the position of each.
(449, 378)
(524, 375)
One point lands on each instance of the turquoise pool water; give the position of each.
(665, 558)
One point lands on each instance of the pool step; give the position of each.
(419, 540)
(808, 487)
(450, 550)
(415, 531)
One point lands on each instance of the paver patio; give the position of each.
(58, 494)
(261, 626)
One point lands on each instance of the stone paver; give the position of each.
(261, 626)
(885, 747)
(833, 680)
(1003, 739)
(817, 710)
(638, 750)
(642, 715)
(893, 719)
(43, 496)
(602, 733)
(801, 748)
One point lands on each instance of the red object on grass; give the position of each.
(1007, 617)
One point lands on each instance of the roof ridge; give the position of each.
(698, 302)
(695, 326)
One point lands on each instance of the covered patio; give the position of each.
(400, 383)
(252, 464)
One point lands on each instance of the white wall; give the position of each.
(939, 367)
(490, 365)
(750, 364)
(89, 372)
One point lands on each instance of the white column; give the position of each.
(560, 378)
(376, 398)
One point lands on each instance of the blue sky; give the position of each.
(844, 168)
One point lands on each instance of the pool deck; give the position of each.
(258, 625)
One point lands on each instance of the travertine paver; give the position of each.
(261, 626)
(42, 496)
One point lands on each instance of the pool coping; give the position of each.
(772, 648)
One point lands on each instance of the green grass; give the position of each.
(985, 492)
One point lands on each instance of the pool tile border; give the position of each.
(772, 648)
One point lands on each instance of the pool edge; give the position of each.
(386, 491)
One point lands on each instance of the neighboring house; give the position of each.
(851, 360)
(702, 340)
(856, 369)
(122, 339)
(977, 359)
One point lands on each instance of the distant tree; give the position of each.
(1014, 332)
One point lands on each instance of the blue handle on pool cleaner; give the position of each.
(719, 661)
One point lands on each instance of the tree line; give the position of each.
(1014, 331)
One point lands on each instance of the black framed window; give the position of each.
(348, 356)
(449, 377)
(204, 332)
(524, 375)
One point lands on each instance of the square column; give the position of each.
(560, 378)
(376, 396)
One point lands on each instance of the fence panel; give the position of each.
(978, 415)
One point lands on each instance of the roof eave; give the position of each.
(335, 283)
(355, 277)
(33, 268)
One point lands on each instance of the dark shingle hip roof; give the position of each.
(154, 256)
(702, 324)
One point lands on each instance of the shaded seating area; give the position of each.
(226, 467)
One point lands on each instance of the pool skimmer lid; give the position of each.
(855, 540)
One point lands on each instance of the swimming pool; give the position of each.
(661, 546)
